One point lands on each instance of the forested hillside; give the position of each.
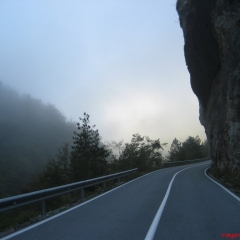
(30, 134)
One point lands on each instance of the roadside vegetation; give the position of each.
(230, 179)
(88, 157)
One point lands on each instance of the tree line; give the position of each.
(89, 157)
(191, 148)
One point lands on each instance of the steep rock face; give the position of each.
(212, 51)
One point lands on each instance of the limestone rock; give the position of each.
(211, 31)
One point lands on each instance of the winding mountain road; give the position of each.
(166, 204)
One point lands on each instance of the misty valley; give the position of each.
(40, 149)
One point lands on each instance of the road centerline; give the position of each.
(152, 230)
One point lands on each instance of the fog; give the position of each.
(122, 62)
(30, 134)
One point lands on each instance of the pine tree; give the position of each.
(88, 159)
(176, 152)
(192, 148)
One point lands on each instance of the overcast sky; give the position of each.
(121, 61)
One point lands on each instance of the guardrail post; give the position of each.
(41, 195)
(43, 208)
(82, 194)
(104, 186)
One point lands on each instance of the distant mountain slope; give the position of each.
(30, 134)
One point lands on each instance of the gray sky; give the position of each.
(121, 61)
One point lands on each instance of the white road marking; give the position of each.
(156, 220)
(222, 186)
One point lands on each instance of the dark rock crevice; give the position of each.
(201, 48)
(212, 51)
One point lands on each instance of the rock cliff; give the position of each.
(211, 31)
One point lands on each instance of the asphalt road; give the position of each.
(196, 208)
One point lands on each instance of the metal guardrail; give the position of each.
(186, 161)
(42, 195)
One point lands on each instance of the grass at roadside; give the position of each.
(228, 178)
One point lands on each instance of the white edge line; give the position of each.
(156, 220)
(71, 209)
(221, 186)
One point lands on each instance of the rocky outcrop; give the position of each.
(211, 31)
